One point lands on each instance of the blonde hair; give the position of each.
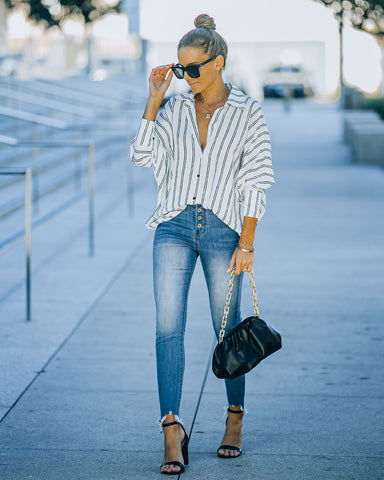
(204, 36)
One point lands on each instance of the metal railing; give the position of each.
(67, 93)
(119, 129)
(28, 234)
(37, 120)
(90, 145)
(21, 97)
(33, 118)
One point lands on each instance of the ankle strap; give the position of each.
(169, 424)
(234, 411)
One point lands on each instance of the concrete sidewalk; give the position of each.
(315, 408)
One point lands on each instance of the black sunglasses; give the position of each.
(192, 70)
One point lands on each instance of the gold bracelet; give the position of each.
(244, 250)
(246, 243)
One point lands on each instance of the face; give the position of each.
(209, 73)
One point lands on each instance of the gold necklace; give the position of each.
(208, 114)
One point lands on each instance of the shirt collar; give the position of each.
(236, 97)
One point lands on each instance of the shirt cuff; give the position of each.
(254, 203)
(145, 133)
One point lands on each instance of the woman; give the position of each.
(210, 152)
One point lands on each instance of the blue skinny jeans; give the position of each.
(196, 231)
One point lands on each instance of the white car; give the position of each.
(286, 80)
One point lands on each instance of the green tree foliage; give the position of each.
(363, 15)
(51, 12)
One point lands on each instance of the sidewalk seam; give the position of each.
(79, 323)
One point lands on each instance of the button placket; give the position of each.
(201, 217)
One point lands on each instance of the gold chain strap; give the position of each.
(228, 302)
(226, 308)
(254, 295)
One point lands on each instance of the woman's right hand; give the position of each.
(159, 81)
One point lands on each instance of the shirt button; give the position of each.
(199, 218)
(198, 175)
(199, 225)
(194, 198)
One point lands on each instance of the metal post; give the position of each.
(91, 195)
(15, 125)
(288, 94)
(36, 168)
(28, 230)
(108, 160)
(77, 161)
(130, 186)
(28, 237)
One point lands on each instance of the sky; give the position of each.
(240, 20)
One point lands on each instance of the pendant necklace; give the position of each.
(209, 106)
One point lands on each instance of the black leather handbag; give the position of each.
(245, 345)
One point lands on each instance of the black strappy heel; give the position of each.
(184, 451)
(230, 447)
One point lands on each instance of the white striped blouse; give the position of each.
(228, 177)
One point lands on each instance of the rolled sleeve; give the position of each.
(142, 145)
(254, 203)
(256, 172)
(145, 133)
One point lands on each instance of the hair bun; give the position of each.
(205, 21)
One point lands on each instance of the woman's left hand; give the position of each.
(242, 260)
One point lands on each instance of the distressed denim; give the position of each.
(178, 242)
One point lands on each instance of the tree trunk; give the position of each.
(380, 41)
